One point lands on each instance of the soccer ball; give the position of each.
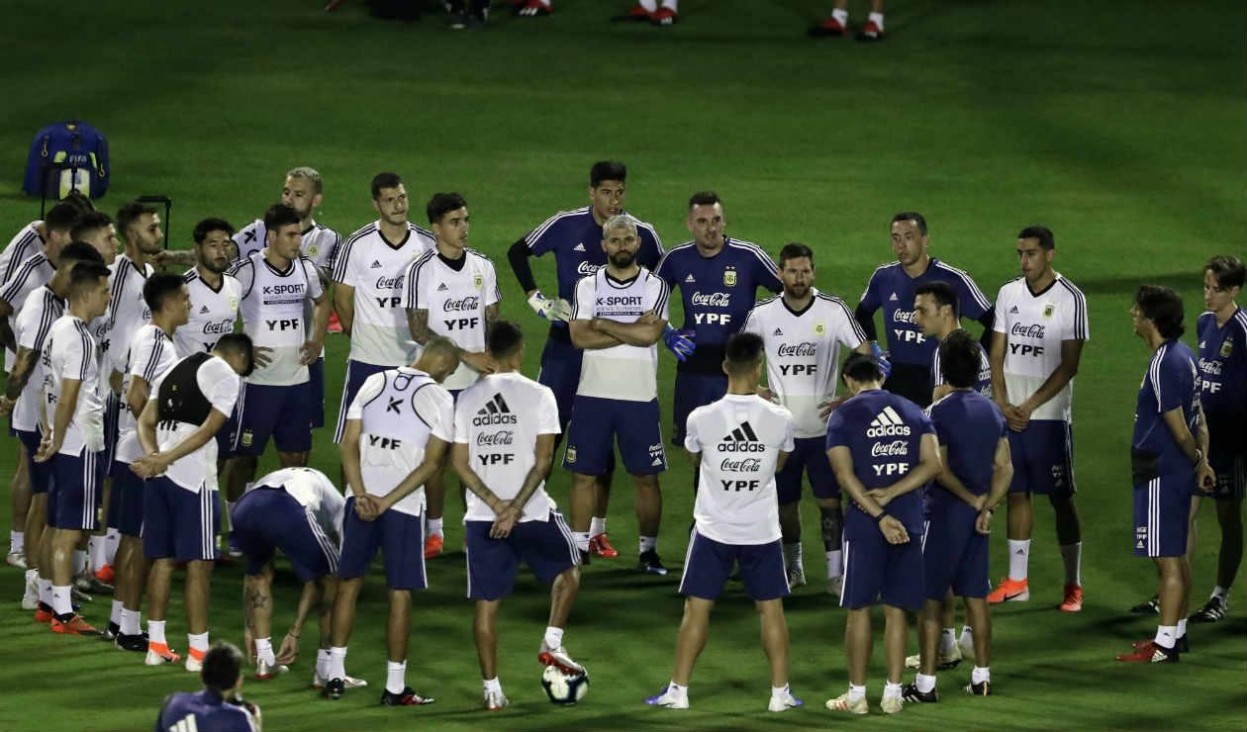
(564, 689)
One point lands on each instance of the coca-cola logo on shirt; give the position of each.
(712, 299)
(494, 439)
(462, 305)
(806, 348)
(585, 268)
(741, 465)
(221, 327)
(905, 316)
(1210, 366)
(1023, 330)
(390, 283)
(896, 448)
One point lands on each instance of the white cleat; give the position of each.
(966, 645)
(796, 576)
(891, 704)
(669, 699)
(835, 586)
(783, 702)
(350, 682)
(559, 658)
(947, 658)
(264, 671)
(842, 704)
(30, 598)
(495, 701)
(16, 559)
(194, 665)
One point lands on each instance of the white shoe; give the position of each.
(16, 559)
(783, 702)
(30, 598)
(842, 704)
(559, 658)
(914, 661)
(495, 701)
(669, 699)
(966, 645)
(835, 586)
(948, 658)
(796, 576)
(193, 665)
(891, 704)
(318, 681)
(264, 671)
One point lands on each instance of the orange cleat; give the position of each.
(74, 625)
(43, 614)
(1073, 599)
(1149, 653)
(1009, 590)
(159, 654)
(600, 546)
(433, 546)
(105, 574)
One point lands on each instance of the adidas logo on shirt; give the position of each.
(778, 332)
(494, 412)
(376, 264)
(579, 247)
(204, 310)
(887, 423)
(741, 439)
(892, 298)
(1013, 310)
(690, 278)
(442, 287)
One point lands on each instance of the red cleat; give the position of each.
(535, 9)
(74, 625)
(830, 28)
(1073, 599)
(600, 546)
(636, 13)
(433, 546)
(43, 614)
(1009, 590)
(664, 16)
(1149, 652)
(105, 574)
(870, 32)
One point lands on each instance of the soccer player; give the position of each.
(837, 24)
(505, 425)
(369, 273)
(451, 291)
(1222, 332)
(75, 442)
(803, 330)
(892, 288)
(618, 315)
(218, 707)
(883, 449)
(977, 469)
(397, 433)
(186, 407)
(150, 355)
(936, 315)
(299, 511)
(718, 279)
(736, 519)
(277, 282)
(97, 229)
(214, 293)
(1038, 335)
(1168, 463)
(575, 239)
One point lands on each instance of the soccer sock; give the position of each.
(676, 690)
(856, 692)
(395, 676)
(877, 18)
(597, 526)
(980, 674)
(649, 5)
(335, 668)
(111, 539)
(17, 541)
(264, 651)
(831, 525)
(1166, 635)
(493, 686)
(115, 615)
(948, 640)
(670, 4)
(925, 684)
(45, 591)
(97, 550)
(32, 585)
(1221, 592)
(434, 527)
(554, 637)
(1019, 557)
(779, 692)
(967, 635)
(582, 540)
(1181, 632)
(61, 602)
(1072, 555)
(648, 543)
(322, 662)
(80, 561)
(197, 641)
(891, 690)
(156, 632)
(130, 622)
(841, 16)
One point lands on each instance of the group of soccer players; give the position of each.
(132, 382)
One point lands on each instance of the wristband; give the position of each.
(882, 515)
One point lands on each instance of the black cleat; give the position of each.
(112, 631)
(981, 689)
(1213, 611)
(334, 689)
(1148, 607)
(136, 643)
(650, 563)
(911, 695)
(407, 698)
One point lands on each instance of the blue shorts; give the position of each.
(129, 489)
(316, 391)
(875, 571)
(591, 438)
(281, 412)
(357, 373)
(708, 563)
(74, 492)
(560, 370)
(266, 519)
(954, 554)
(1162, 508)
(399, 536)
(1231, 477)
(809, 455)
(1043, 458)
(112, 414)
(547, 547)
(40, 473)
(179, 524)
(693, 391)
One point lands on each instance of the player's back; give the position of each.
(203, 711)
(970, 426)
(982, 385)
(398, 410)
(1171, 382)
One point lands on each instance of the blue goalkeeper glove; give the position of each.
(882, 358)
(679, 343)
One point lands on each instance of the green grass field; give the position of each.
(1119, 124)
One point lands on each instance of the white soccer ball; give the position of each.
(564, 689)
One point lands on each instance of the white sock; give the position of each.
(582, 540)
(649, 5)
(433, 527)
(1166, 635)
(597, 526)
(130, 622)
(264, 651)
(676, 690)
(336, 666)
(856, 693)
(835, 563)
(967, 634)
(891, 690)
(841, 15)
(80, 561)
(197, 641)
(1019, 558)
(1072, 555)
(948, 640)
(115, 615)
(1221, 592)
(780, 692)
(45, 591)
(492, 686)
(322, 662)
(111, 539)
(17, 541)
(670, 4)
(156, 632)
(554, 637)
(62, 604)
(877, 18)
(95, 552)
(924, 683)
(395, 676)
(648, 543)
(1181, 633)
(980, 674)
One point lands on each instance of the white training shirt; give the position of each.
(1035, 325)
(499, 418)
(273, 314)
(456, 301)
(320, 243)
(623, 372)
(803, 353)
(213, 313)
(150, 355)
(26, 243)
(377, 269)
(127, 310)
(34, 321)
(740, 438)
(70, 353)
(219, 384)
(314, 491)
(399, 409)
(27, 276)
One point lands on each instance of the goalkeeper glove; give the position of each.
(551, 310)
(882, 359)
(680, 344)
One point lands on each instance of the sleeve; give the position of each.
(332, 260)
(666, 270)
(463, 422)
(767, 272)
(1165, 375)
(751, 324)
(314, 288)
(78, 351)
(582, 308)
(15, 284)
(835, 430)
(692, 440)
(368, 391)
(219, 384)
(342, 261)
(1077, 329)
(651, 252)
(544, 238)
(870, 296)
(925, 425)
(973, 302)
(661, 297)
(155, 387)
(548, 421)
(518, 256)
(411, 277)
(850, 333)
(1001, 322)
(144, 355)
(443, 422)
(30, 328)
(492, 294)
(941, 426)
(937, 374)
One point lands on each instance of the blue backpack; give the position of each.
(67, 156)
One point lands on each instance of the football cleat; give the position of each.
(406, 698)
(264, 671)
(158, 654)
(106, 574)
(946, 659)
(1073, 599)
(783, 702)
(112, 630)
(16, 559)
(910, 693)
(664, 16)
(891, 704)
(1149, 652)
(869, 33)
(830, 28)
(669, 699)
(966, 645)
(1181, 645)
(91, 585)
(136, 643)
(495, 701)
(334, 689)
(634, 14)
(1213, 611)
(650, 563)
(535, 9)
(835, 586)
(348, 682)
(1147, 607)
(30, 598)
(560, 659)
(842, 704)
(434, 544)
(195, 660)
(983, 688)
(1009, 590)
(600, 546)
(73, 625)
(796, 575)
(43, 613)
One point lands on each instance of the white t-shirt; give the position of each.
(740, 439)
(34, 321)
(499, 418)
(219, 384)
(314, 491)
(69, 352)
(456, 301)
(273, 314)
(26, 243)
(803, 353)
(150, 355)
(320, 243)
(623, 372)
(1035, 325)
(127, 310)
(377, 270)
(213, 313)
(399, 409)
(27, 276)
